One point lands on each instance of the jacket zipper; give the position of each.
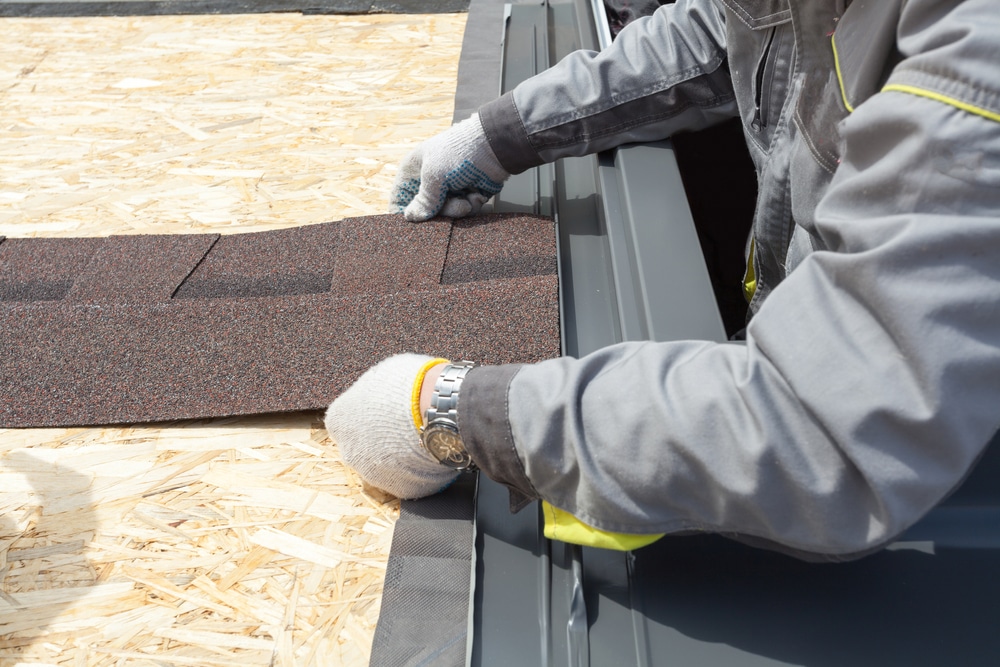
(759, 116)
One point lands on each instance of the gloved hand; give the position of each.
(453, 174)
(374, 423)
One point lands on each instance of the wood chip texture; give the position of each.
(217, 542)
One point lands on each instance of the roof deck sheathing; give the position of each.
(237, 541)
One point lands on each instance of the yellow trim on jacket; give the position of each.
(911, 90)
(930, 94)
(840, 78)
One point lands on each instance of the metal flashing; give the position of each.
(931, 598)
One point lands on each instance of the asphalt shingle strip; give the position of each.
(380, 256)
(115, 360)
(139, 268)
(43, 269)
(517, 249)
(286, 262)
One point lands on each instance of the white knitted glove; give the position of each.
(453, 174)
(373, 424)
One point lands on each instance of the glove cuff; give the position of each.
(469, 138)
(418, 385)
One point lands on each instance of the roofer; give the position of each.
(869, 380)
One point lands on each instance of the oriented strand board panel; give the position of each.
(207, 543)
(227, 124)
(239, 541)
(65, 8)
(155, 328)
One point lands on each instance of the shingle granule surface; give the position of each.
(152, 328)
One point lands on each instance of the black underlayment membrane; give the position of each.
(134, 329)
(425, 599)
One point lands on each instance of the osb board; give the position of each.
(213, 123)
(204, 544)
(227, 542)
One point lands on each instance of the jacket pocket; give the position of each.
(757, 14)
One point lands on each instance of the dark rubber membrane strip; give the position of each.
(426, 596)
(155, 328)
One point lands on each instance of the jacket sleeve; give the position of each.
(868, 385)
(663, 74)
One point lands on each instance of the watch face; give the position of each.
(444, 444)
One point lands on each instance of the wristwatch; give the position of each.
(440, 436)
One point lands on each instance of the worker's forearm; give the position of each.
(663, 74)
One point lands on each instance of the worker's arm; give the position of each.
(868, 383)
(663, 74)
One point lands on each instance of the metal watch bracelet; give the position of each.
(440, 435)
(444, 400)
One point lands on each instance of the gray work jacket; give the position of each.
(869, 382)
